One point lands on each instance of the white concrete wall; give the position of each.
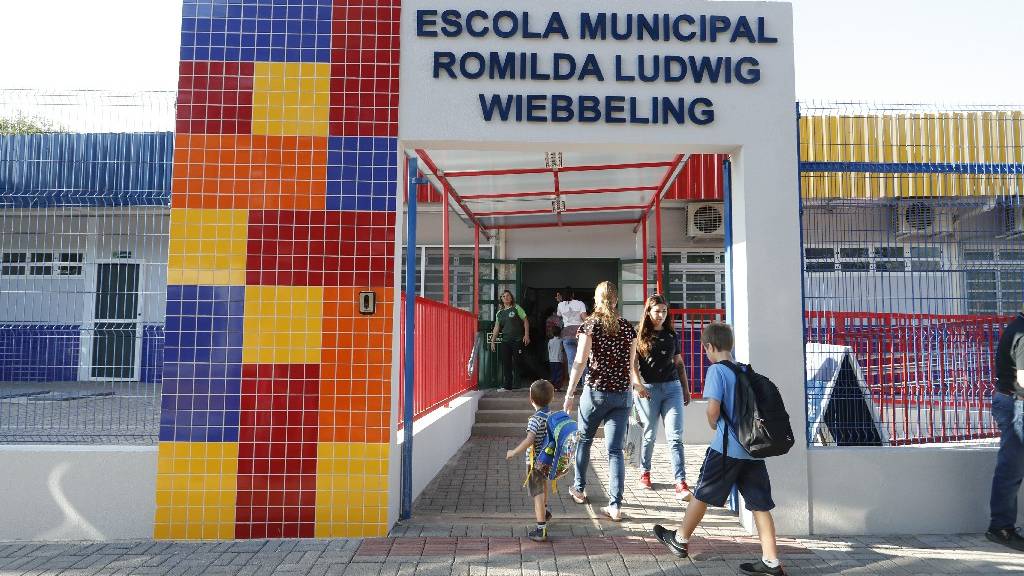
(615, 241)
(907, 490)
(436, 438)
(77, 492)
(55, 300)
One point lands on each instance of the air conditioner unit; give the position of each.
(920, 218)
(705, 220)
(1013, 221)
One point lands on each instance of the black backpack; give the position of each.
(760, 417)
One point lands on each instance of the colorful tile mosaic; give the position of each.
(277, 392)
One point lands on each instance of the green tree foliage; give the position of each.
(22, 124)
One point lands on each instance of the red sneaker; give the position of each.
(645, 480)
(683, 491)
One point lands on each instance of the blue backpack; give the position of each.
(558, 454)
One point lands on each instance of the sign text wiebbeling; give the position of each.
(557, 61)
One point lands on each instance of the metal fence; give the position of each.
(84, 218)
(444, 353)
(913, 251)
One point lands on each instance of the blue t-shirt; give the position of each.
(720, 384)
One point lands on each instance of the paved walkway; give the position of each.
(472, 519)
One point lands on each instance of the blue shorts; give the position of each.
(720, 473)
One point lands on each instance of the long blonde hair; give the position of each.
(605, 297)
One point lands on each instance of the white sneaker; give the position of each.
(612, 512)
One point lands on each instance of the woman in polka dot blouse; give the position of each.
(605, 340)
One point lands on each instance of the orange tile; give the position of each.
(355, 374)
(256, 172)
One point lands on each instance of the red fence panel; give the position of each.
(444, 339)
(930, 376)
(688, 324)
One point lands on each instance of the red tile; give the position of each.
(277, 451)
(303, 248)
(364, 73)
(215, 98)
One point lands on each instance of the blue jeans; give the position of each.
(666, 402)
(570, 345)
(1009, 466)
(612, 410)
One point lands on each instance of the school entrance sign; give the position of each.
(661, 76)
(476, 65)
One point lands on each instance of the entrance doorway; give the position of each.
(116, 337)
(540, 279)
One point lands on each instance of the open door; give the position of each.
(496, 276)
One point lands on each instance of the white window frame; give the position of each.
(1006, 302)
(486, 251)
(873, 259)
(55, 264)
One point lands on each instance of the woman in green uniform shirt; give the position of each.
(514, 327)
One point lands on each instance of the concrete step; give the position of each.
(508, 429)
(502, 416)
(514, 400)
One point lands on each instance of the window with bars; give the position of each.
(873, 259)
(430, 273)
(42, 264)
(993, 280)
(695, 279)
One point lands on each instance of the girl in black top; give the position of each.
(659, 382)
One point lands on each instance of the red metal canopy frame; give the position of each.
(448, 192)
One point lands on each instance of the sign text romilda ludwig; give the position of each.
(672, 67)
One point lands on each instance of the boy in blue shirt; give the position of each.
(720, 473)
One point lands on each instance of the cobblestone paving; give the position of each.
(590, 556)
(471, 521)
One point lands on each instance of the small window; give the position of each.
(926, 252)
(890, 266)
(979, 255)
(819, 253)
(69, 271)
(854, 253)
(76, 257)
(855, 266)
(672, 258)
(701, 258)
(15, 257)
(40, 271)
(820, 266)
(8, 270)
(1011, 256)
(42, 257)
(926, 265)
(888, 252)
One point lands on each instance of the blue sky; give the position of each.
(936, 51)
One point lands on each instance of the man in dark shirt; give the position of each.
(1008, 398)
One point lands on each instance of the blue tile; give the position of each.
(362, 173)
(39, 353)
(275, 30)
(203, 369)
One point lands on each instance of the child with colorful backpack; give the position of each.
(551, 445)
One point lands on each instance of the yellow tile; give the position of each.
(282, 324)
(291, 99)
(207, 247)
(199, 499)
(352, 489)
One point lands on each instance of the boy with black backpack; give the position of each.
(727, 463)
